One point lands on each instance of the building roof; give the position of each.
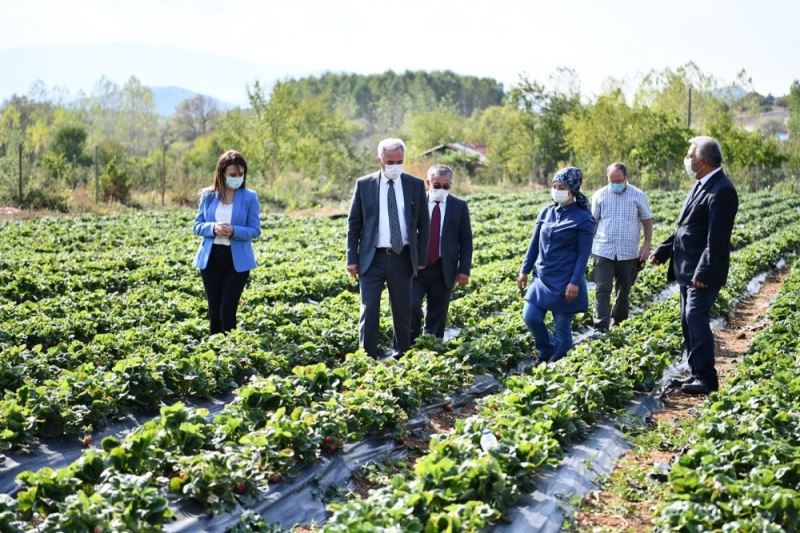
(475, 150)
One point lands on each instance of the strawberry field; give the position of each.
(102, 321)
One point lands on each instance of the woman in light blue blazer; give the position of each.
(228, 220)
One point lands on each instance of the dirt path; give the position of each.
(623, 503)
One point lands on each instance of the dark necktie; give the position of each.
(434, 236)
(690, 197)
(395, 236)
(694, 190)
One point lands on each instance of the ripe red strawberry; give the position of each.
(240, 487)
(274, 478)
(87, 440)
(401, 440)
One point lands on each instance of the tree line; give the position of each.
(307, 139)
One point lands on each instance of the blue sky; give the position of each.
(501, 38)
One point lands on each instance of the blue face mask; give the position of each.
(234, 182)
(617, 187)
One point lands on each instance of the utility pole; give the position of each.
(163, 171)
(689, 111)
(19, 151)
(96, 176)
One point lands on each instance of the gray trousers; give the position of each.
(616, 274)
(392, 271)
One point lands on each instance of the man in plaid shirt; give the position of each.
(619, 210)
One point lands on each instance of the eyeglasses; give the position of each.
(446, 186)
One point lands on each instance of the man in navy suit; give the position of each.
(699, 255)
(449, 257)
(387, 242)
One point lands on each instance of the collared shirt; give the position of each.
(442, 209)
(698, 184)
(618, 221)
(705, 178)
(384, 234)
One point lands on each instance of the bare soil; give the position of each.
(603, 510)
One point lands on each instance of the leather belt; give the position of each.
(389, 250)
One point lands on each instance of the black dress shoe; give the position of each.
(682, 380)
(697, 387)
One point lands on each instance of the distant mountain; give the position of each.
(731, 92)
(78, 68)
(168, 98)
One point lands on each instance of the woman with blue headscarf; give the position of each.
(557, 256)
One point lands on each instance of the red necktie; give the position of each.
(433, 238)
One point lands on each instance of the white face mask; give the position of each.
(392, 172)
(560, 197)
(687, 165)
(438, 195)
(234, 182)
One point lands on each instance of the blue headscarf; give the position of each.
(572, 177)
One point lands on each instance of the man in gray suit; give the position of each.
(387, 242)
(449, 257)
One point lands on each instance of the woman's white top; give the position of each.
(223, 215)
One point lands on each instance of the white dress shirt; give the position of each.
(384, 234)
(223, 216)
(705, 178)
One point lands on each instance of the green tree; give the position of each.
(667, 92)
(659, 144)
(650, 142)
(194, 117)
(503, 130)
(793, 102)
(543, 121)
(115, 181)
(70, 143)
(429, 129)
(599, 134)
(286, 133)
(125, 114)
(755, 159)
(381, 103)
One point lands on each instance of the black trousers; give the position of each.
(224, 288)
(392, 271)
(697, 336)
(430, 283)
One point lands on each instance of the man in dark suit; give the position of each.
(449, 257)
(699, 256)
(387, 242)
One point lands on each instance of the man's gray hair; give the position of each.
(390, 144)
(440, 170)
(708, 149)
